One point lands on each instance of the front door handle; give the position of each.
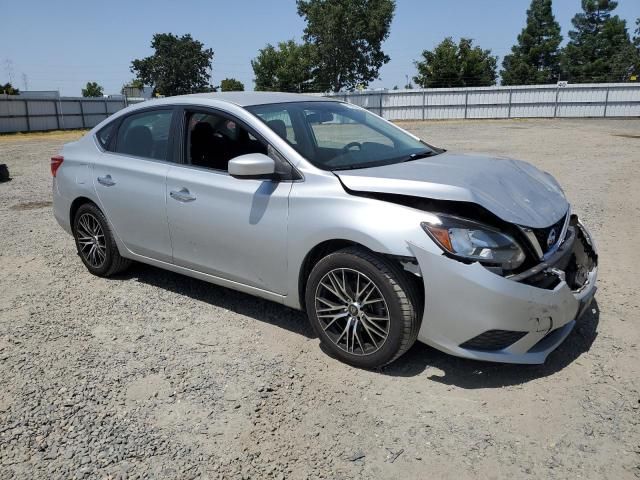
(106, 180)
(182, 195)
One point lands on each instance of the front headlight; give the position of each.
(474, 241)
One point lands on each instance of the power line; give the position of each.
(8, 68)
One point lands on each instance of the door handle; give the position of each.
(106, 180)
(182, 195)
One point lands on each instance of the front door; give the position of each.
(228, 227)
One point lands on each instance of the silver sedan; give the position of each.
(323, 206)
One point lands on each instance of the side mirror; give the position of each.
(252, 165)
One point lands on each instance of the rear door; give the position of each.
(130, 176)
(228, 227)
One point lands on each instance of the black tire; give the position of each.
(401, 301)
(113, 262)
(4, 173)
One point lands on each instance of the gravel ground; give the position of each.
(156, 375)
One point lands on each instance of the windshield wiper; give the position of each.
(416, 156)
(413, 156)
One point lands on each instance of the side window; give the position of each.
(145, 134)
(280, 122)
(105, 134)
(338, 131)
(212, 140)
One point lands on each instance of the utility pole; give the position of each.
(8, 68)
(25, 81)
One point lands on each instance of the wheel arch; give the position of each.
(314, 255)
(325, 248)
(76, 204)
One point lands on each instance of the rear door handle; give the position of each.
(182, 195)
(106, 180)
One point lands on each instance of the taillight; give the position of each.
(55, 164)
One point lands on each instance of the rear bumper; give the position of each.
(465, 301)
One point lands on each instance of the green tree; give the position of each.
(283, 69)
(135, 83)
(92, 90)
(9, 89)
(180, 65)
(231, 85)
(347, 37)
(535, 59)
(600, 49)
(636, 42)
(451, 65)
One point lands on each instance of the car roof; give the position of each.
(245, 99)
(236, 99)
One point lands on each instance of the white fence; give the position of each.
(28, 114)
(24, 114)
(587, 100)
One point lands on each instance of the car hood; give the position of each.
(513, 190)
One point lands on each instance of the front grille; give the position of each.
(493, 340)
(542, 234)
(545, 279)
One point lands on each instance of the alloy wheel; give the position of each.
(91, 241)
(352, 311)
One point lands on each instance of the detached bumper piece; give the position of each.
(473, 313)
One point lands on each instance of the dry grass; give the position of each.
(62, 135)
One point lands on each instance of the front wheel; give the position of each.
(363, 307)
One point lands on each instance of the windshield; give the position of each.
(339, 136)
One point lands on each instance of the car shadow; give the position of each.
(447, 369)
(260, 201)
(241, 303)
(471, 374)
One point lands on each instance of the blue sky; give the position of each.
(63, 44)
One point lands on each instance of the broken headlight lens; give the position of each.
(474, 241)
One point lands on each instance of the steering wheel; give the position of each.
(349, 146)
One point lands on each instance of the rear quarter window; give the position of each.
(105, 135)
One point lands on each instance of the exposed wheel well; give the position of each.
(325, 248)
(318, 252)
(75, 205)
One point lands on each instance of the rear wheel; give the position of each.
(363, 307)
(95, 244)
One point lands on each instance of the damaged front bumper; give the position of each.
(473, 313)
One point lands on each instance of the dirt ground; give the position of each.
(156, 375)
